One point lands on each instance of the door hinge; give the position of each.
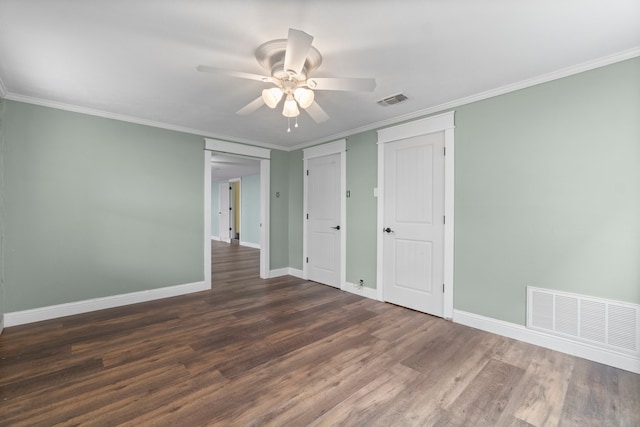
(230, 188)
(307, 172)
(307, 260)
(230, 208)
(307, 216)
(444, 219)
(444, 150)
(443, 288)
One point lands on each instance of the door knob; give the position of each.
(337, 227)
(387, 230)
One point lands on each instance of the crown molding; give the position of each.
(130, 119)
(544, 78)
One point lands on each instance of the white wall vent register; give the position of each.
(600, 322)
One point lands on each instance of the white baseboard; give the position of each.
(1, 323)
(519, 332)
(77, 307)
(217, 238)
(250, 245)
(287, 271)
(296, 273)
(361, 290)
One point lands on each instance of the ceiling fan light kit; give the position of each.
(290, 107)
(289, 62)
(304, 97)
(272, 96)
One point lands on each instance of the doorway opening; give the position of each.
(238, 161)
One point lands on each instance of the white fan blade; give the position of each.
(232, 73)
(342, 83)
(317, 113)
(298, 46)
(251, 107)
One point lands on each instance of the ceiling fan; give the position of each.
(289, 63)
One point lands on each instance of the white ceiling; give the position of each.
(226, 166)
(136, 60)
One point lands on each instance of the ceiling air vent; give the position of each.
(395, 99)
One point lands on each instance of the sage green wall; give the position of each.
(296, 214)
(362, 178)
(279, 210)
(548, 192)
(250, 209)
(97, 207)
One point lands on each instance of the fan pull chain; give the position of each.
(296, 125)
(288, 124)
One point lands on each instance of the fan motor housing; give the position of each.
(270, 56)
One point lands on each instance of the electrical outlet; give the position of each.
(361, 283)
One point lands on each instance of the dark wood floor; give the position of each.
(287, 352)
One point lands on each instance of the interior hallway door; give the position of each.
(324, 219)
(413, 241)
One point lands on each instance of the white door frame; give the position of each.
(440, 123)
(336, 147)
(262, 154)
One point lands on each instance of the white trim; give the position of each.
(1, 323)
(449, 227)
(328, 149)
(523, 84)
(305, 210)
(361, 290)
(217, 238)
(250, 245)
(440, 123)
(265, 224)
(432, 124)
(343, 218)
(238, 149)
(380, 223)
(207, 218)
(286, 271)
(519, 332)
(324, 149)
(94, 304)
(295, 272)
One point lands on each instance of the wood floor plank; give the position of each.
(593, 397)
(539, 398)
(356, 409)
(482, 403)
(285, 351)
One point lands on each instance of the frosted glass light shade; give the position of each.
(272, 96)
(290, 107)
(304, 97)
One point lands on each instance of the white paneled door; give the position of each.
(413, 223)
(323, 204)
(224, 206)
